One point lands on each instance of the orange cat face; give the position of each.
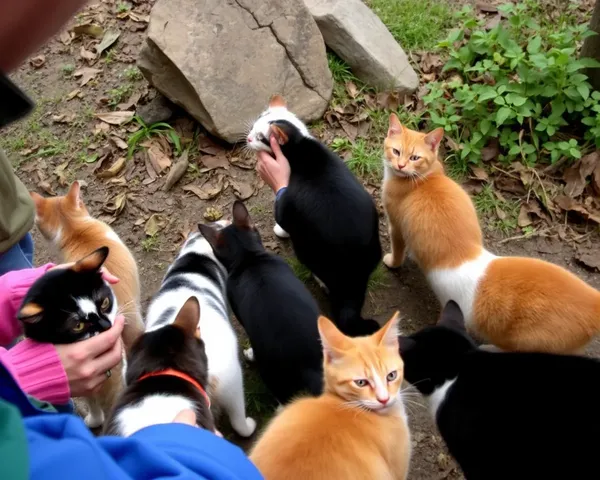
(52, 213)
(365, 371)
(409, 153)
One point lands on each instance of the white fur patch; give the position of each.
(460, 283)
(280, 232)
(111, 235)
(87, 306)
(438, 396)
(262, 127)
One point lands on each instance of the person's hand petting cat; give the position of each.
(274, 169)
(106, 275)
(86, 362)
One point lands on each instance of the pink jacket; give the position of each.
(35, 366)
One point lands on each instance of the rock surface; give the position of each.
(159, 109)
(359, 37)
(222, 60)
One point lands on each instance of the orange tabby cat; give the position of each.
(357, 428)
(514, 303)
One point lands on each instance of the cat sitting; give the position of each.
(514, 303)
(331, 219)
(67, 305)
(357, 429)
(505, 416)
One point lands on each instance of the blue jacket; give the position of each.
(61, 447)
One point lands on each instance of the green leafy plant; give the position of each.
(132, 74)
(519, 82)
(148, 131)
(119, 94)
(67, 68)
(123, 7)
(365, 160)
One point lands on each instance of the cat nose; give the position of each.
(249, 139)
(400, 167)
(383, 401)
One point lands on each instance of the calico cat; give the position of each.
(521, 304)
(331, 219)
(167, 372)
(66, 222)
(197, 273)
(67, 305)
(506, 415)
(274, 307)
(357, 429)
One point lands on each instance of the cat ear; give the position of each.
(395, 125)
(92, 262)
(452, 317)
(74, 195)
(280, 134)
(406, 344)
(241, 217)
(212, 235)
(388, 334)
(334, 342)
(277, 101)
(188, 317)
(30, 313)
(38, 200)
(434, 138)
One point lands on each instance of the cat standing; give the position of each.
(331, 219)
(167, 373)
(66, 222)
(67, 305)
(506, 415)
(357, 429)
(276, 310)
(197, 273)
(514, 303)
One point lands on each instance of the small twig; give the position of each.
(494, 167)
(546, 202)
(555, 166)
(541, 233)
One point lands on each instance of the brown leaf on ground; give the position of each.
(95, 31)
(480, 174)
(116, 205)
(114, 169)
(139, 222)
(119, 142)
(207, 191)
(59, 171)
(427, 78)
(64, 118)
(493, 22)
(73, 94)
(159, 160)
(212, 214)
(590, 260)
(132, 102)
(38, 62)
(509, 184)
(45, 186)
(154, 224)
(115, 118)
(452, 144)
(110, 37)
(352, 89)
(242, 190)
(177, 171)
(350, 130)
(86, 74)
(149, 168)
(491, 150)
(104, 156)
(90, 57)
(389, 100)
(486, 7)
(136, 17)
(575, 176)
(524, 219)
(570, 205)
(500, 213)
(247, 163)
(101, 128)
(65, 37)
(210, 149)
(212, 162)
(431, 62)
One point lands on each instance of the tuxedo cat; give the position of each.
(274, 307)
(331, 219)
(67, 305)
(506, 415)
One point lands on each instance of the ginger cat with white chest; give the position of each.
(518, 304)
(357, 428)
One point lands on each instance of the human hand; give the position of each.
(274, 170)
(106, 275)
(87, 362)
(186, 416)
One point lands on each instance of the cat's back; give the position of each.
(322, 438)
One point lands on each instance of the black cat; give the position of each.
(274, 307)
(167, 372)
(506, 415)
(331, 219)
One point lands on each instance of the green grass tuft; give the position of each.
(299, 269)
(378, 278)
(488, 205)
(365, 160)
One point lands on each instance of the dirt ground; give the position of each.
(70, 127)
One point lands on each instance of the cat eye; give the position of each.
(79, 327)
(105, 304)
(361, 382)
(392, 376)
(396, 152)
(414, 158)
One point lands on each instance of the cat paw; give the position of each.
(94, 421)
(249, 428)
(280, 232)
(249, 354)
(388, 260)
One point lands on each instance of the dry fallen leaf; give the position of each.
(136, 17)
(212, 214)
(65, 37)
(45, 186)
(109, 39)
(90, 29)
(524, 219)
(154, 224)
(158, 158)
(350, 130)
(207, 191)
(119, 142)
(38, 62)
(589, 260)
(212, 162)
(133, 100)
(101, 128)
(431, 62)
(242, 190)
(352, 89)
(114, 169)
(576, 175)
(86, 74)
(177, 171)
(87, 55)
(491, 150)
(115, 118)
(116, 205)
(60, 173)
(73, 94)
(570, 205)
(480, 174)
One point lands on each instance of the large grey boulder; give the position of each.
(359, 37)
(222, 60)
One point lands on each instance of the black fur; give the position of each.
(56, 292)
(333, 225)
(167, 347)
(274, 307)
(508, 415)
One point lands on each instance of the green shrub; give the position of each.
(518, 82)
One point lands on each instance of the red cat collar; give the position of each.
(176, 373)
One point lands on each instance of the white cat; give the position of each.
(197, 273)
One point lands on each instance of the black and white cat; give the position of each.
(68, 305)
(274, 307)
(506, 415)
(331, 219)
(167, 373)
(197, 273)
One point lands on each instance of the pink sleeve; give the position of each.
(35, 366)
(13, 287)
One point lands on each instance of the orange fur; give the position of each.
(335, 436)
(519, 303)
